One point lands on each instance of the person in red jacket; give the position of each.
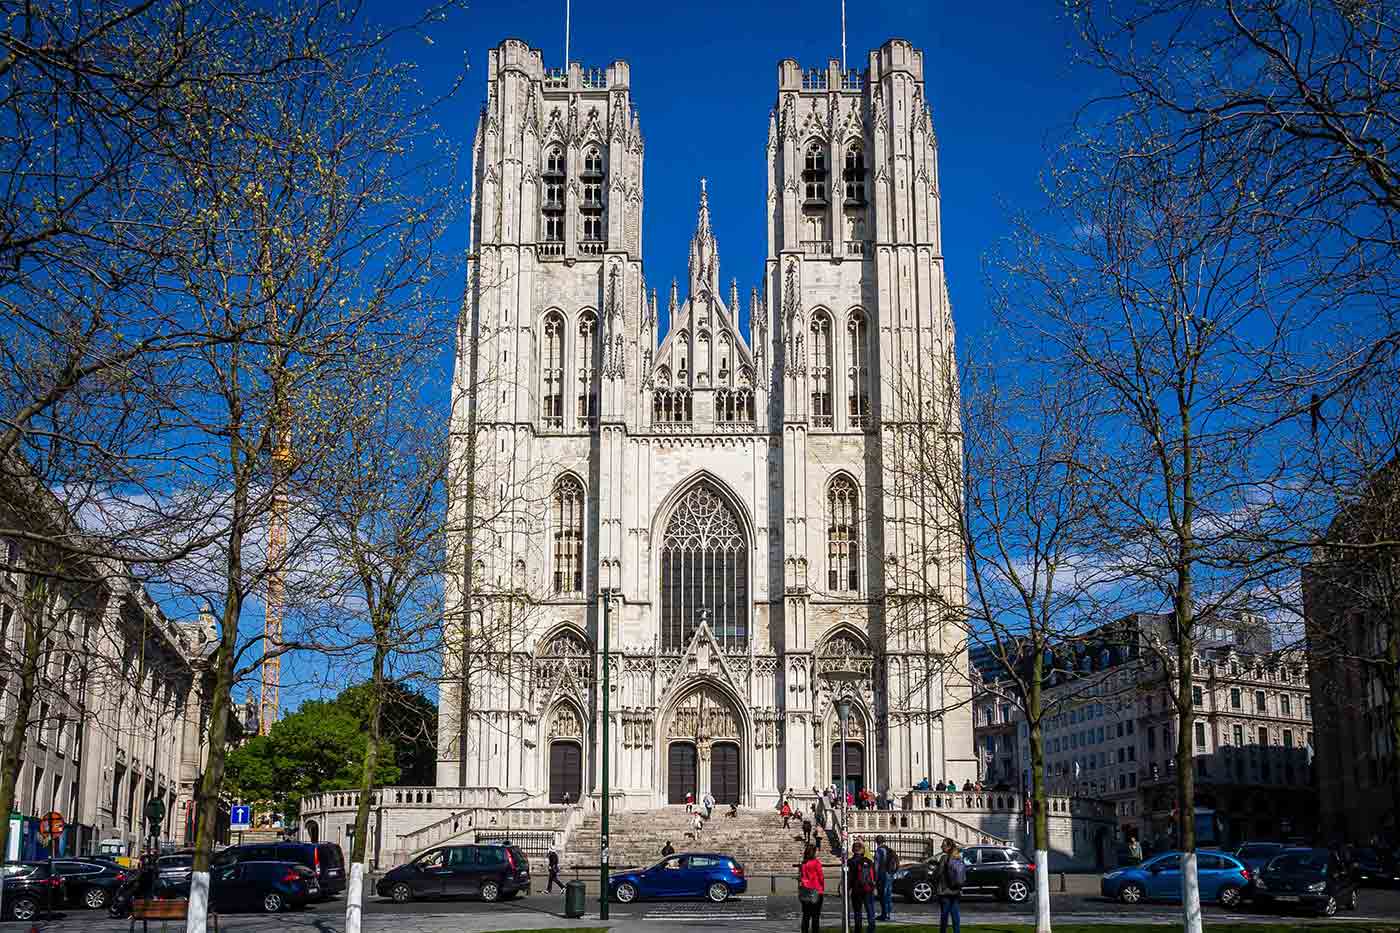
(811, 890)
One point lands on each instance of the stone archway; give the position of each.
(702, 720)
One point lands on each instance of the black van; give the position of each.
(325, 858)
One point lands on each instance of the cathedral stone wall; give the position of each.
(729, 482)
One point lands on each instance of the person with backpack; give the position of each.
(553, 859)
(886, 864)
(949, 876)
(811, 890)
(860, 883)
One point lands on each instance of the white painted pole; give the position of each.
(354, 897)
(843, 37)
(198, 915)
(1042, 891)
(567, 14)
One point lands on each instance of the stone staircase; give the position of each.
(755, 837)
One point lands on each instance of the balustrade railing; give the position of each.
(550, 248)
(816, 247)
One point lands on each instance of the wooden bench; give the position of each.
(164, 910)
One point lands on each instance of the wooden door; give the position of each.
(724, 772)
(565, 771)
(680, 771)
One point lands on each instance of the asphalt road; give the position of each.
(757, 912)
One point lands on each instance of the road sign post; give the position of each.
(240, 818)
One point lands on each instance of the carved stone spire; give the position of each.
(675, 304)
(734, 299)
(704, 253)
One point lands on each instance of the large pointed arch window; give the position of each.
(552, 371)
(552, 202)
(821, 370)
(704, 572)
(858, 371)
(843, 536)
(568, 510)
(814, 175)
(587, 363)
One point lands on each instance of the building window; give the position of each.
(843, 537)
(704, 572)
(814, 175)
(591, 205)
(1260, 705)
(587, 372)
(858, 371)
(821, 370)
(853, 176)
(1307, 707)
(568, 535)
(553, 371)
(1197, 697)
(671, 407)
(1287, 738)
(734, 406)
(1238, 733)
(552, 206)
(1263, 736)
(1235, 700)
(1285, 705)
(1200, 735)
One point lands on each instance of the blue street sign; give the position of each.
(240, 818)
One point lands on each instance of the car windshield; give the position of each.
(1299, 861)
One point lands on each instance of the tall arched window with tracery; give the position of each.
(591, 206)
(858, 371)
(553, 179)
(587, 363)
(552, 371)
(568, 535)
(814, 175)
(704, 572)
(821, 370)
(843, 536)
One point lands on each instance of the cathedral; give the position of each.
(736, 504)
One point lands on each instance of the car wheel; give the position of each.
(401, 893)
(95, 898)
(1229, 896)
(490, 891)
(923, 892)
(1329, 907)
(717, 892)
(1131, 894)
(1016, 891)
(273, 903)
(626, 892)
(24, 908)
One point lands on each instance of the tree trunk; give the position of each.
(1390, 681)
(354, 895)
(33, 608)
(1039, 797)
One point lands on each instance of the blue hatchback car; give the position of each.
(1222, 879)
(690, 874)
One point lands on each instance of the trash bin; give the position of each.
(573, 900)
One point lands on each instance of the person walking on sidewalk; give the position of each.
(860, 881)
(949, 873)
(886, 864)
(667, 849)
(709, 804)
(553, 859)
(811, 890)
(689, 802)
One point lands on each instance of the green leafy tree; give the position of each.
(409, 724)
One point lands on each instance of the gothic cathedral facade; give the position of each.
(723, 496)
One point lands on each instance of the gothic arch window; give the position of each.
(568, 509)
(671, 407)
(734, 406)
(725, 365)
(587, 368)
(858, 370)
(853, 175)
(591, 206)
(553, 179)
(821, 370)
(552, 370)
(704, 572)
(843, 535)
(814, 172)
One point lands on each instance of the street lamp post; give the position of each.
(607, 594)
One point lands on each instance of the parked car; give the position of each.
(999, 870)
(1376, 867)
(30, 890)
(267, 886)
(324, 858)
(1222, 879)
(90, 883)
(175, 868)
(690, 874)
(1314, 879)
(1255, 855)
(491, 872)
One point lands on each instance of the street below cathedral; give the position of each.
(761, 911)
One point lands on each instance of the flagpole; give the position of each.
(843, 36)
(567, 11)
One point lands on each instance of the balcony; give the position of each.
(550, 248)
(860, 247)
(821, 421)
(592, 247)
(816, 247)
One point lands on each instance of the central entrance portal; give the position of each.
(724, 772)
(681, 772)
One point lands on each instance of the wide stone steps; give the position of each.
(755, 838)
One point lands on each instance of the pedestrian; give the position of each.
(667, 849)
(786, 812)
(709, 804)
(811, 890)
(553, 859)
(689, 802)
(886, 864)
(806, 830)
(949, 873)
(697, 824)
(819, 811)
(1134, 851)
(860, 881)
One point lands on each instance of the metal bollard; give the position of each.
(1063, 886)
